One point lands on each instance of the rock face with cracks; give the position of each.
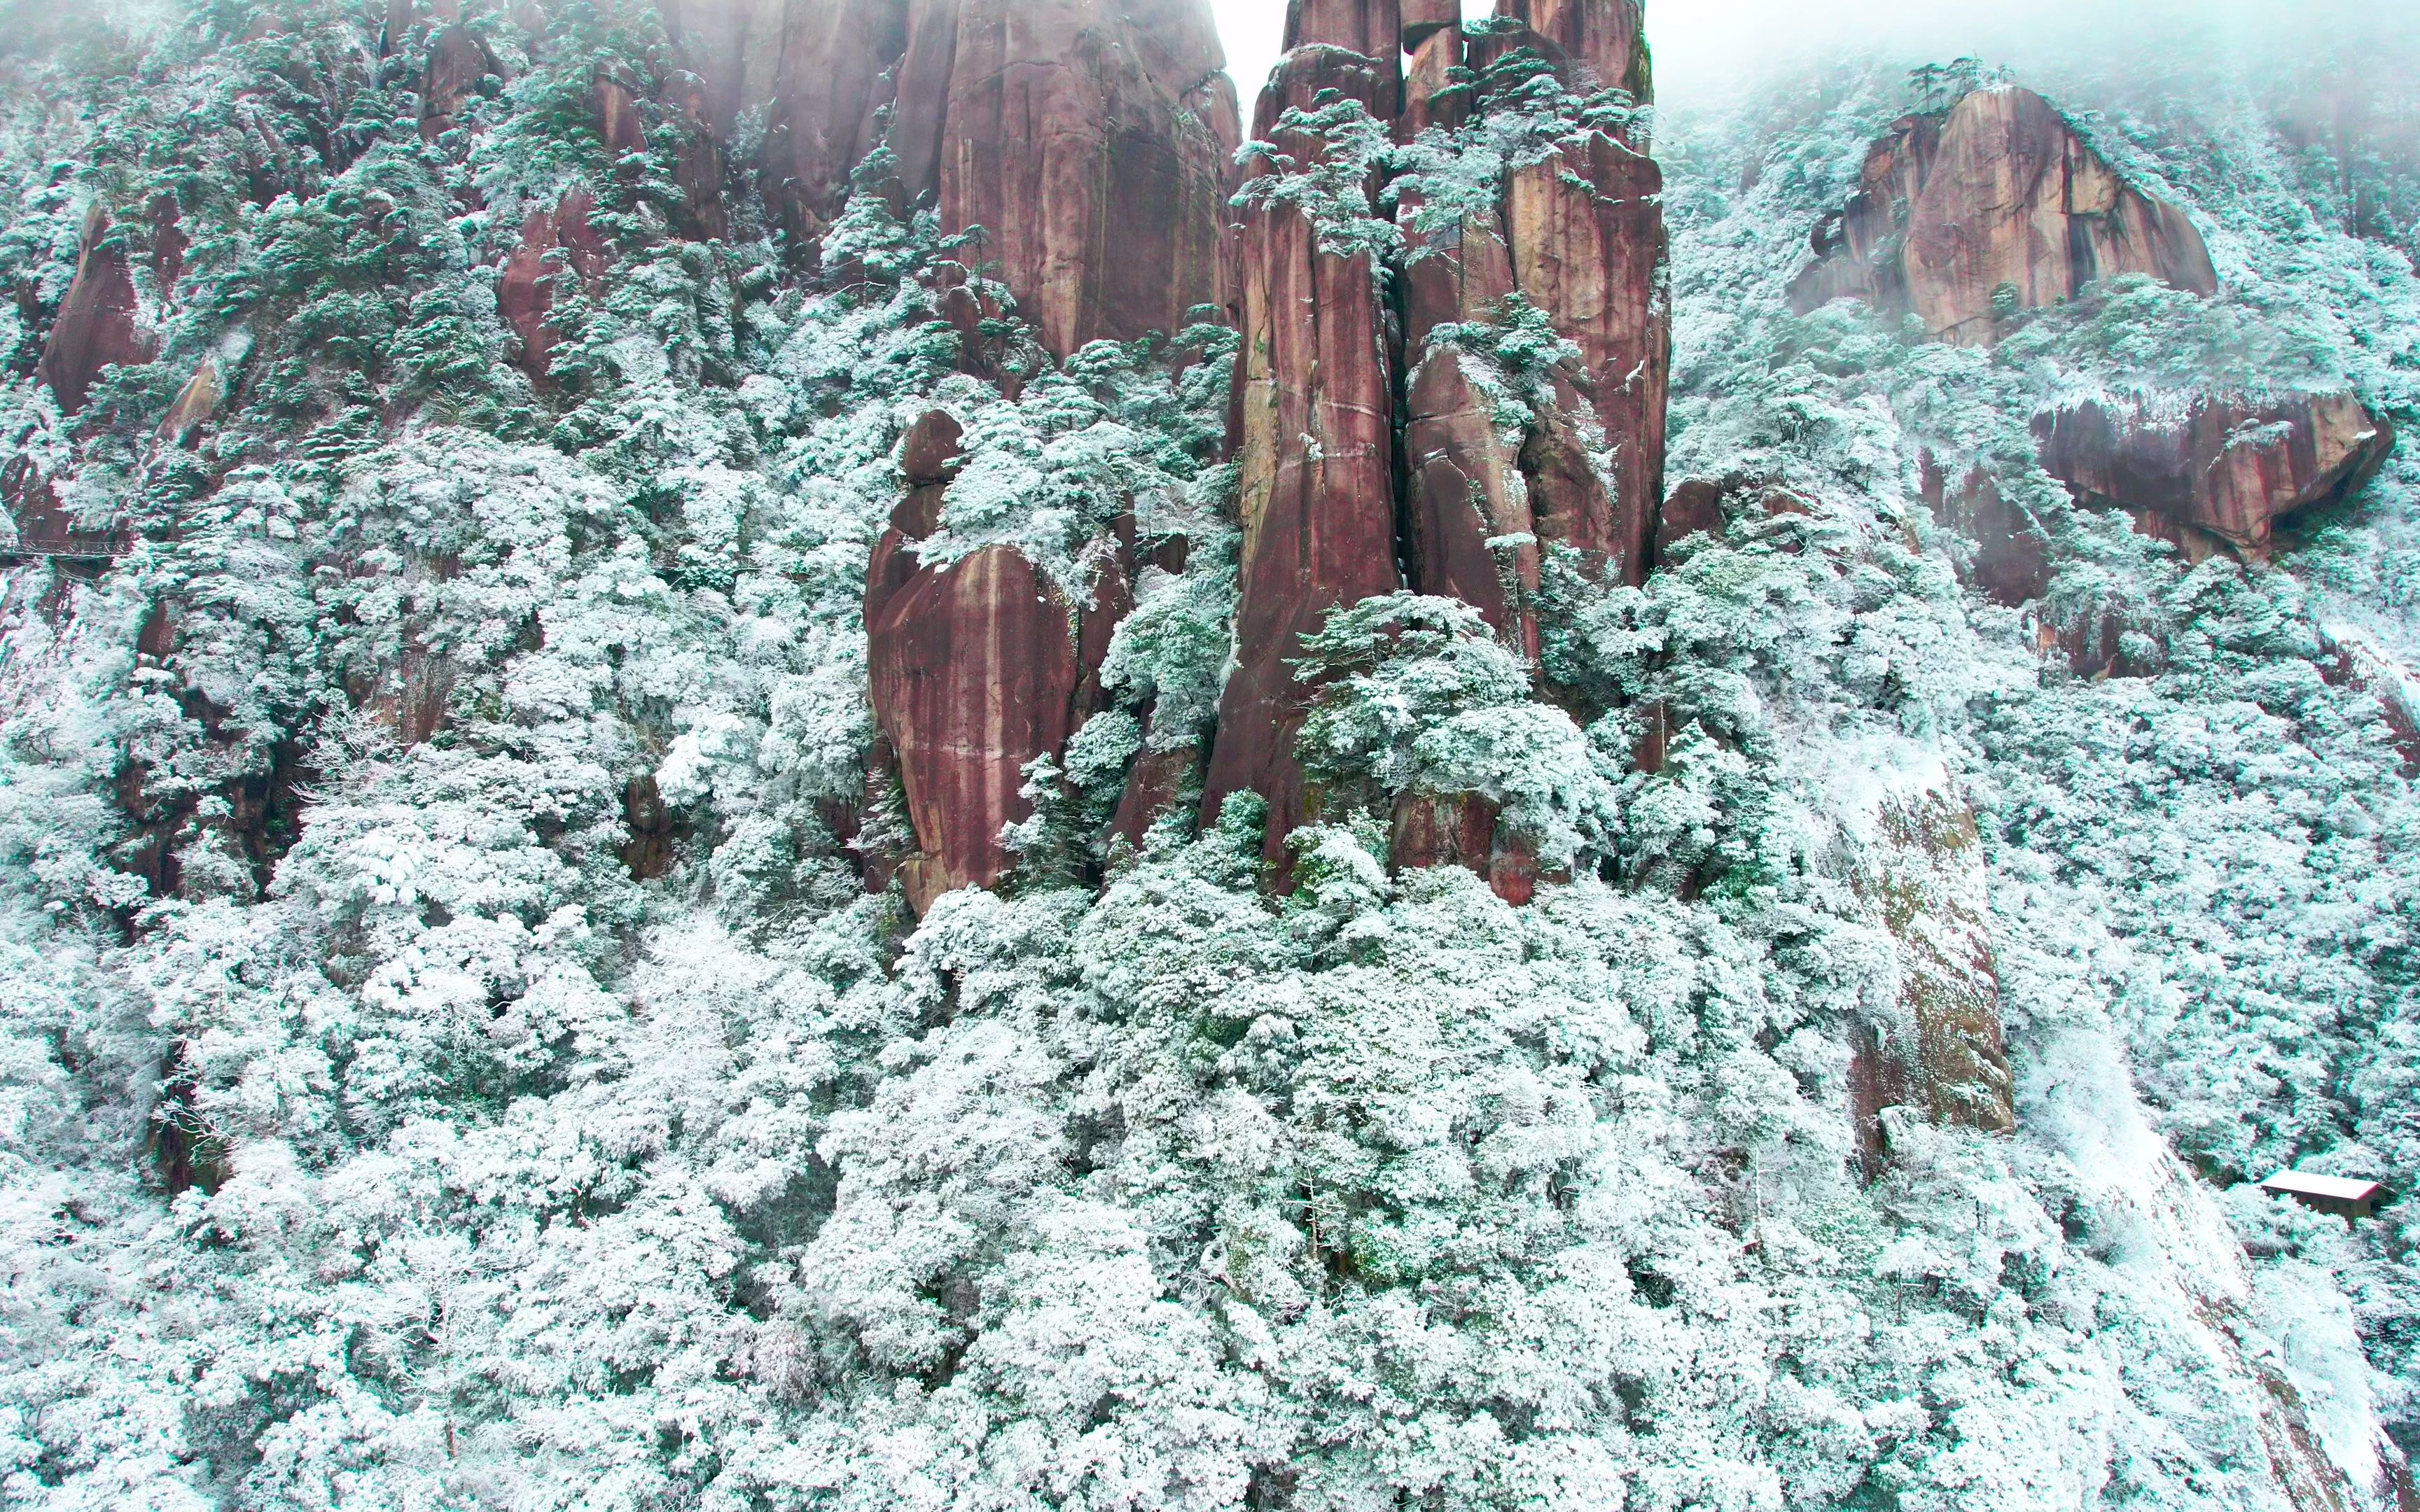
(1586, 227)
(1600, 45)
(974, 673)
(96, 326)
(555, 243)
(1315, 458)
(1994, 206)
(2222, 474)
(1324, 433)
(1090, 143)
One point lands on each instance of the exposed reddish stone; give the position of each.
(1459, 272)
(1997, 199)
(1108, 564)
(1314, 452)
(1170, 554)
(965, 309)
(1695, 507)
(929, 452)
(1571, 498)
(551, 242)
(1462, 830)
(397, 21)
(1431, 95)
(1432, 830)
(458, 60)
(1155, 787)
(196, 402)
(737, 49)
(1300, 78)
(973, 673)
(1061, 130)
(1941, 1053)
(616, 102)
(1604, 40)
(1424, 19)
(697, 160)
(836, 72)
(1373, 28)
(96, 326)
(2225, 473)
(1586, 227)
(2011, 562)
(1463, 493)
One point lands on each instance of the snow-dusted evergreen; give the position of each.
(404, 1151)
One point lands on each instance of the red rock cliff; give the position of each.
(1997, 199)
(1089, 141)
(1586, 228)
(95, 324)
(2222, 474)
(974, 673)
(1604, 41)
(1315, 398)
(1322, 433)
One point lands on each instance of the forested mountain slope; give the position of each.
(790, 754)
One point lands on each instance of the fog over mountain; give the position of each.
(1707, 50)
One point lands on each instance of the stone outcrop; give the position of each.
(1073, 138)
(697, 160)
(1432, 830)
(196, 402)
(1598, 44)
(1315, 451)
(2222, 474)
(2010, 566)
(1694, 508)
(1464, 491)
(97, 327)
(1432, 94)
(1992, 206)
(615, 97)
(1372, 29)
(1940, 1052)
(974, 673)
(1586, 228)
(836, 71)
(1492, 471)
(458, 60)
(553, 243)
(977, 667)
(1090, 142)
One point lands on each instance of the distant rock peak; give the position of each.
(1965, 216)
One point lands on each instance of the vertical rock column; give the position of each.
(97, 327)
(1315, 449)
(1579, 235)
(1586, 227)
(975, 672)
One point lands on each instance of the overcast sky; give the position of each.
(1703, 47)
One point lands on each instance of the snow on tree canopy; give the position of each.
(1794, 1012)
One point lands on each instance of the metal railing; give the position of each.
(75, 545)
